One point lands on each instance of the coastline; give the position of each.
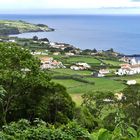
(62, 35)
(16, 27)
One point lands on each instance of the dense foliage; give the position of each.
(39, 130)
(32, 107)
(27, 92)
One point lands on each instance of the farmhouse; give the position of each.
(50, 63)
(56, 53)
(80, 66)
(11, 40)
(57, 45)
(101, 73)
(119, 96)
(129, 69)
(131, 82)
(104, 71)
(125, 59)
(46, 60)
(74, 67)
(69, 54)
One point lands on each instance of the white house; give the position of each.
(119, 96)
(56, 53)
(69, 54)
(84, 65)
(129, 69)
(131, 82)
(133, 61)
(80, 66)
(104, 71)
(74, 67)
(125, 59)
(12, 40)
(100, 75)
(52, 43)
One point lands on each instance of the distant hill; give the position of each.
(9, 27)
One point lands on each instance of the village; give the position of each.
(61, 60)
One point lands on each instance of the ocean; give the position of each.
(122, 33)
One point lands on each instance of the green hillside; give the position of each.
(9, 27)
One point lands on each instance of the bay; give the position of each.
(122, 33)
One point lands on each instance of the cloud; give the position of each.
(65, 4)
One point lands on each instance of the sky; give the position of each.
(70, 6)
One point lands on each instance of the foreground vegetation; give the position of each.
(33, 106)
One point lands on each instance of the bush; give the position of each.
(23, 130)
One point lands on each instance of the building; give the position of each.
(119, 96)
(131, 82)
(128, 70)
(46, 60)
(56, 53)
(80, 66)
(74, 67)
(131, 68)
(12, 41)
(125, 59)
(50, 63)
(69, 54)
(104, 71)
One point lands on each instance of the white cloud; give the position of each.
(75, 4)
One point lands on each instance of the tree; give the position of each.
(86, 52)
(44, 39)
(68, 49)
(84, 117)
(57, 105)
(26, 87)
(131, 105)
(120, 112)
(14, 63)
(35, 38)
(111, 50)
(94, 50)
(106, 109)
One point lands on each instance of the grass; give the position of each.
(131, 77)
(101, 84)
(76, 88)
(106, 84)
(77, 99)
(85, 59)
(111, 62)
(57, 57)
(71, 72)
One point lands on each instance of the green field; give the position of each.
(111, 62)
(85, 59)
(132, 77)
(77, 86)
(70, 72)
(101, 84)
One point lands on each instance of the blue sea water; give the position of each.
(122, 33)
